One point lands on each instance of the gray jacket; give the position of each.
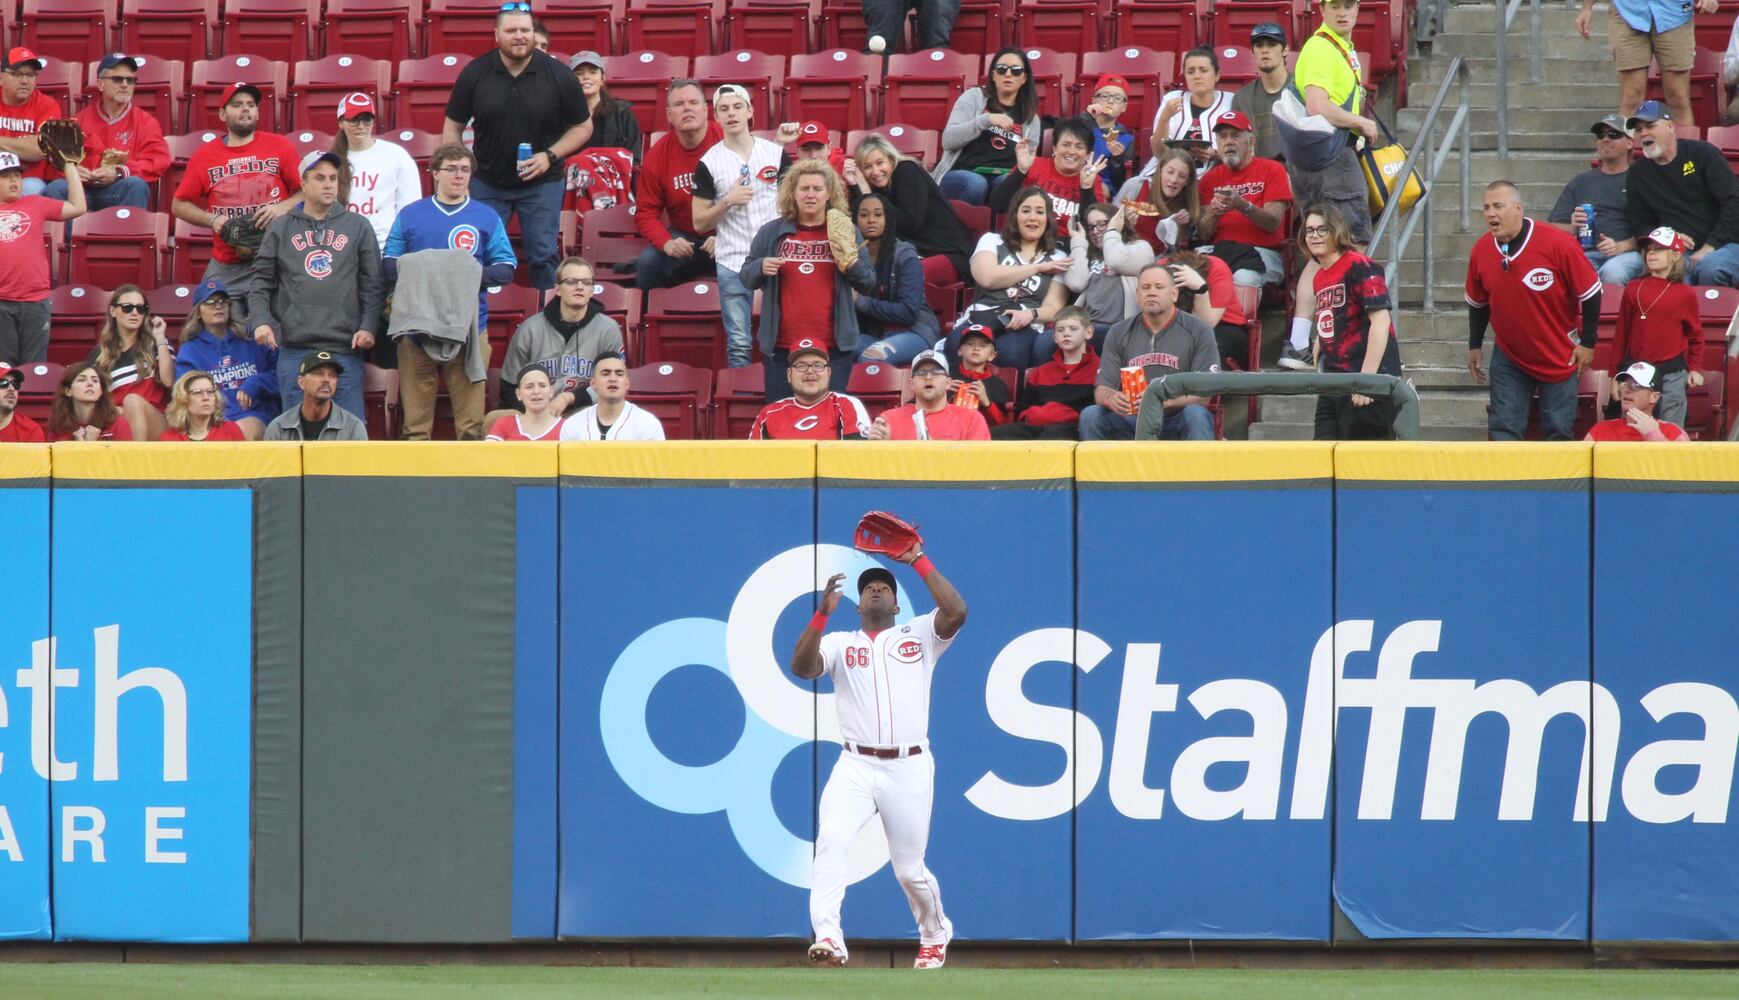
(436, 299)
(317, 282)
(342, 425)
(862, 277)
(965, 123)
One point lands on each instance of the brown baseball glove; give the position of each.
(842, 238)
(886, 534)
(62, 141)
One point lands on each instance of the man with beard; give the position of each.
(930, 416)
(1685, 184)
(812, 411)
(1244, 203)
(243, 178)
(15, 427)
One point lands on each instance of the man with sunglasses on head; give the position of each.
(1614, 253)
(124, 149)
(23, 109)
(512, 96)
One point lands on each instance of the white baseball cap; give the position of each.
(930, 355)
(355, 103)
(9, 161)
(1642, 373)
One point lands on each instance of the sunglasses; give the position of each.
(132, 307)
(515, 7)
(216, 300)
(1003, 69)
(1608, 134)
(125, 80)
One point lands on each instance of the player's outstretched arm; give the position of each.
(950, 606)
(806, 658)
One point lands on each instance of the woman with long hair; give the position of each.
(1350, 300)
(379, 179)
(1186, 117)
(196, 412)
(1165, 205)
(917, 208)
(213, 341)
(894, 313)
(541, 421)
(1206, 291)
(136, 361)
(806, 281)
(613, 123)
(1016, 271)
(83, 410)
(1104, 260)
(987, 122)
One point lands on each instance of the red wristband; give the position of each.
(819, 622)
(924, 566)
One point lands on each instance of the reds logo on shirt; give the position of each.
(808, 423)
(1539, 279)
(13, 226)
(908, 651)
(770, 174)
(318, 263)
(463, 238)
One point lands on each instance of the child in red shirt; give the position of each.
(1658, 323)
(1055, 393)
(24, 279)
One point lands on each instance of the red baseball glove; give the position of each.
(886, 534)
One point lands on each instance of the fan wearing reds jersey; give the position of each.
(812, 411)
(1527, 281)
(881, 681)
(1639, 391)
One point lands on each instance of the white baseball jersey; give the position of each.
(719, 170)
(882, 683)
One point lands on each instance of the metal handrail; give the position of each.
(1506, 14)
(1401, 235)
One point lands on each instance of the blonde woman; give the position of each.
(134, 356)
(196, 412)
(807, 281)
(214, 342)
(921, 212)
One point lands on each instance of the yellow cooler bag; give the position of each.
(1383, 175)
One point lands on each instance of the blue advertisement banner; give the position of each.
(24, 717)
(1462, 686)
(153, 713)
(1200, 680)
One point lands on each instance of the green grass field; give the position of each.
(227, 982)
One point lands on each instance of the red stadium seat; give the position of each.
(169, 29)
(607, 253)
(308, 140)
(1714, 30)
(676, 27)
(161, 82)
(1055, 74)
(378, 29)
(761, 73)
(174, 303)
(509, 305)
(921, 144)
(621, 304)
(1064, 25)
(275, 29)
(74, 30)
(423, 88)
(682, 324)
(583, 24)
(1716, 307)
(421, 145)
(181, 149)
(976, 218)
(190, 254)
(1163, 25)
(42, 384)
(1233, 20)
(380, 401)
(678, 395)
(210, 77)
(641, 78)
(319, 85)
(78, 311)
(1237, 66)
(1148, 72)
(775, 26)
(842, 27)
(616, 221)
(466, 26)
(920, 88)
(105, 248)
(979, 27)
(877, 385)
(62, 80)
(1708, 92)
(833, 88)
(1705, 408)
(737, 401)
(1727, 138)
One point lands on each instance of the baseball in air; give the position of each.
(878, 44)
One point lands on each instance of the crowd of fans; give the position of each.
(1107, 267)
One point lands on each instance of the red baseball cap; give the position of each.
(233, 89)
(9, 372)
(355, 103)
(1234, 119)
(1112, 80)
(21, 56)
(813, 132)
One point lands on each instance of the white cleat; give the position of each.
(931, 956)
(827, 952)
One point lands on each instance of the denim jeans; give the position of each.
(33, 185)
(540, 221)
(966, 186)
(349, 395)
(1512, 391)
(129, 191)
(1721, 267)
(896, 347)
(1186, 423)
(736, 312)
(1620, 269)
(657, 269)
(887, 18)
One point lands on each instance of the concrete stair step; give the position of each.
(1439, 378)
(1482, 93)
(1426, 72)
(1564, 127)
(1447, 355)
(1555, 19)
(1552, 170)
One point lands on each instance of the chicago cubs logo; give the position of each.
(463, 238)
(908, 651)
(769, 174)
(1539, 279)
(13, 225)
(318, 263)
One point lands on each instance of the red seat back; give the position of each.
(641, 78)
(737, 399)
(321, 83)
(174, 303)
(583, 25)
(682, 324)
(169, 29)
(877, 385)
(509, 306)
(1065, 25)
(210, 77)
(677, 394)
(79, 312)
(41, 385)
(1164, 25)
(74, 30)
(106, 244)
(63, 80)
(921, 144)
(678, 27)
(276, 29)
(833, 88)
(761, 73)
(192, 252)
(921, 87)
(781, 27)
(422, 90)
(1148, 73)
(378, 29)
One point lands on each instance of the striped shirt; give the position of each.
(720, 168)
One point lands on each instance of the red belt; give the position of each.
(887, 753)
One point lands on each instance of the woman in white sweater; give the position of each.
(382, 178)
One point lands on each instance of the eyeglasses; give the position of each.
(574, 282)
(1006, 69)
(456, 170)
(811, 367)
(1110, 99)
(126, 81)
(202, 392)
(1095, 227)
(132, 307)
(930, 373)
(20, 74)
(1316, 231)
(359, 120)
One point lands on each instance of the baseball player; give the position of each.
(881, 679)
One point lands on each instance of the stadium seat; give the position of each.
(920, 88)
(762, 73)
(833, 88)
(621, 304)
(678, 395)
(421, 145)
(1714, 30)
(1250, 301)
(780, 27)
(682, 324)
(877, 385)
(1716, 307)
(617, 221)
(161, 83)
(976, 218)
(318, 86)
(583, 24)
(1233, 19)
(1705, 408)
(181, 149)
(675, 27)
(1726, 138)
(63, 80)
(1149, 74)
(641, 78)
(274, 29)
(1708, 91)
(380, 402)
(737, 399)
(1055, 74)
(74, 30)
(308, 140)
(921, 144)
(78, 311)
(1237, 66)
(1064, 25)
(169, 29)
(377, 29)
(465, 26)
(210, 77)
(190, 253)
(105, 248)
(842, 27)
(945, 302)
(980, 26)
(423, 86)
(41, 386)
(609, 253)
(1162, 25)
(174, 303)
(509, 305)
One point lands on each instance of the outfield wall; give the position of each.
(435, 693)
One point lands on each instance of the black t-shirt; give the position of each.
(1695, 194)
(994, 147)
(536, 107)
(311, 429)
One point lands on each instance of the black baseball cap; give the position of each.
(319, 359)
(1270, 30)
(114, 59)
(873, 575)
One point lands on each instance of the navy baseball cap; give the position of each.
(873, 575)
(1649, 111)
(316, 157)
(208, 288)
(114, 59)
(1270, 30)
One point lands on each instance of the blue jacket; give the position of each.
(235, 364)
(900, 303)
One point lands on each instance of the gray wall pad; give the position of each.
(277, 793)
(408, 657)
(1281, 384)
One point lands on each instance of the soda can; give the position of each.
(524, 152)
(1585, 232)
(1134, 385)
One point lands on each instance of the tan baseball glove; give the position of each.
(842, 238)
